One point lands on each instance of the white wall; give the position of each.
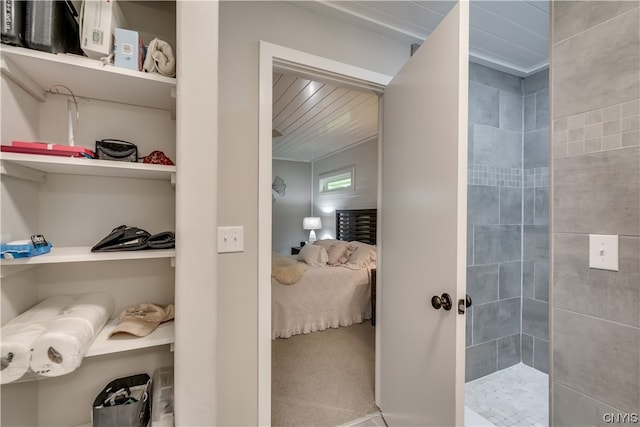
(365, 158)
(288, 211)
(195, 379)
(242, 26)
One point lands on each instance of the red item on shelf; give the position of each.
(47, 149)
(158, 158)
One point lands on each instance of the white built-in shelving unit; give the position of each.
(75, 202)
(83, 254)
(88, 77)
(162, 335)
(35, 167)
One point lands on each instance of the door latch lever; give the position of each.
(463, 304)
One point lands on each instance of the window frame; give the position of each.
(325, 179)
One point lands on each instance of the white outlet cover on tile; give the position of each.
(603, 252)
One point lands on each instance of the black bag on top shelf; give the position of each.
(12, 21)
(51, 26)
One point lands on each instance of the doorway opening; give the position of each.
(324, 176)
(507, 332)
(284, 60)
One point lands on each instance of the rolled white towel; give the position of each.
(160, 58)
(18, 335)
(62, 347)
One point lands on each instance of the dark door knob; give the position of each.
(443, 301)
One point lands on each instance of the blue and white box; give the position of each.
(128, 49)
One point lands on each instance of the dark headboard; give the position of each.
(357, 224)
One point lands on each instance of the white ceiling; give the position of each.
(317, 119)
(511, 35)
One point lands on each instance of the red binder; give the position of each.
(47, 149)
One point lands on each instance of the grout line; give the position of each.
(595, 152)
(595, 26)
(533, 352)
(585, 395)
(577, 233)
(473, 244)
(522, 215)
(472, 316)
(596, 318)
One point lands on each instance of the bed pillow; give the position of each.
(326, 243)
(340, 252)
(313, 255)
(365, 256)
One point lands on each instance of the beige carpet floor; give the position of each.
(325, 378)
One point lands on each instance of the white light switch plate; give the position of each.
(230, 239)
(603, 252)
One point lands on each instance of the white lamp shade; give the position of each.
(312, 223)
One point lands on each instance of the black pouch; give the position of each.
(164, 240)
(116, 149)
(123, 238)
(124, 402)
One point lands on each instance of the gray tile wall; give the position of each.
(494, 272)
(595, 330)
(535, 220)
(507, 220)
(535, 235)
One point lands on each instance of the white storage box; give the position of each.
(99, 19)
(162, 398)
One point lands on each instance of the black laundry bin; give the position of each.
(136, 414)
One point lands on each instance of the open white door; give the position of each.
(424, 220)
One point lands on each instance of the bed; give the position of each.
(328, 284)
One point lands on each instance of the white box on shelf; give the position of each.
(162, 405)
(99, 19)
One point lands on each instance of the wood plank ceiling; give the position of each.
(316, 119)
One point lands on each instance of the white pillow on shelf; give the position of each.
(314, 255)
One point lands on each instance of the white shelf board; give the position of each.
(84, 166)
(162, 335)
(89, 78)
(83, 254)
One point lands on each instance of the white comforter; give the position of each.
(326, 297)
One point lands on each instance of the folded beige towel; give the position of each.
(160, 58)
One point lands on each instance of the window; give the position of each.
(338, 180)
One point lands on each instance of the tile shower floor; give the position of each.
(516, 396)
(513, 397)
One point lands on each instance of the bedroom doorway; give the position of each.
(425, 117)
(324, 166)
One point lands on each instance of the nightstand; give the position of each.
(295, 250)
